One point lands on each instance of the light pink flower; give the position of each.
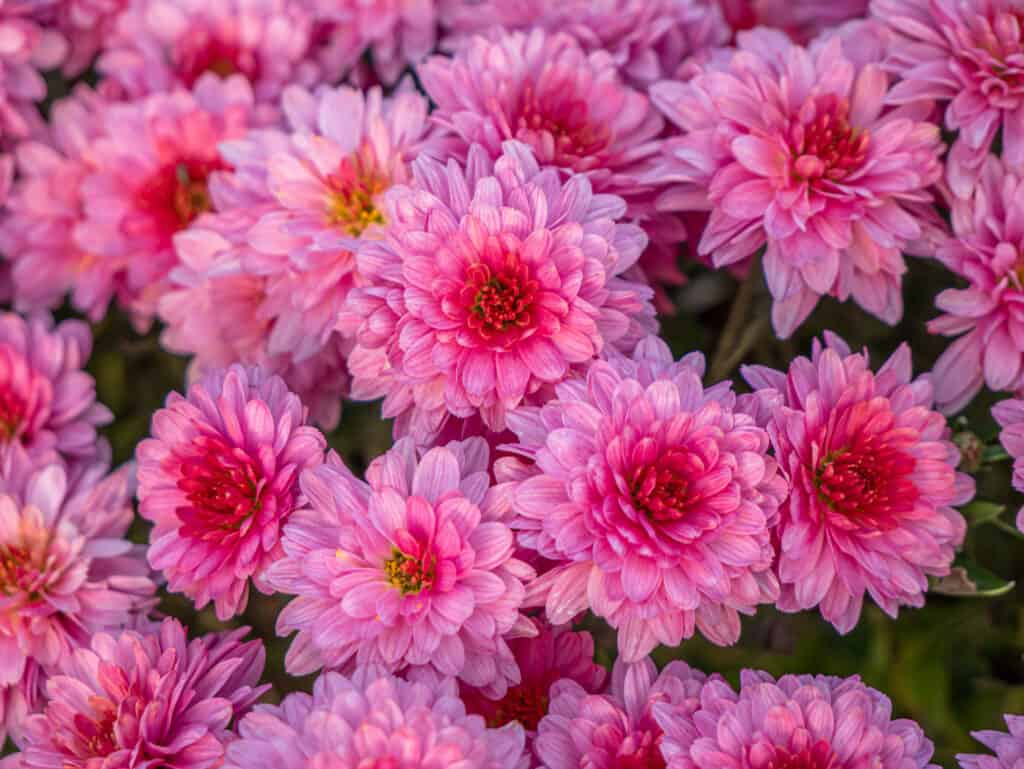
(873, 476)
(28, 47)
(795, 722)
(156, 699)
(1010, 416)
(494, 280)
(965, 55)
(616, 730)
(66, 572)
(986, 249)
(150, 179)
(373, 719)
(654, 496)
(414, 567)
(1008, 747)
(219, 478)
(793, 149)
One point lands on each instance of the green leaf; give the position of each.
(980, 511)
(994, 454)
(969, 580)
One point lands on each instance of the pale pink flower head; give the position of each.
(159, 45)
(792, 148)
(797, 722)
(1007, 746)
(1010, 416)
(654, 496)
(219, 478)
(617, 730)
(646, 39)
(47, 402)
(28, 47)
(413, 568)
(495, 279)
(965, 55)
(66, 571)
(146, 699)
(873, 482)
(151, 177)
(373, 719)
(986, 249)
(555, 653)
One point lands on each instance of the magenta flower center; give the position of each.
(499, 301)
(817, 756)
(409, 574)
(351, 203)
(868, 482)
(825, 145)
(991, 47)
(12, 414)
(575, 140)
(640, 750)
(224, 487)
(178, 193)
(102, 732)
(201, 54)
(662, 489)
(526, 703)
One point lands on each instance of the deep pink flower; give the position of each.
(66, 572)
(647, 39)
(219, 478)
(494, 281)
(654, 496)
(967, 55)
(140, 700)
(373, 719)
(617, 730)
(414, 567)
(28, 47)
(797, 722)
(151, 176)
(873, 476)
(1010, 416)
(986, 250)
(800, 19)
(1008, 747)
(791, 148)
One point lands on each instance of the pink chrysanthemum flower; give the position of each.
(967, 55)
(47, 402)
(554, 654)
(1008, 747)
(873, 477)
(654, 496)
(617, 730)
(151, 176)
(373, 719)
(792, 149)
(986, 249)
(647, 39)
(494, 281)
(28, 47)
(800, 19)
(155, 699)
(66, 572)
(159, 45)
(219, 478)
(797, 722)
(84, 25)
(1010, 416)
(414, 567)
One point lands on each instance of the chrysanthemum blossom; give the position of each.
(219, 478)
(28, 47)
(654, 497)
(156, 699)
(793, 149)
(494, 280)
(1007, 746)
(797, 722)
(987, 250)
(554, 654)
(618, 729)
(413, 568)
(967, 57)
(151, 176)
(373, 719)
(800, 19)
(66, 572)
(873, 482)
(647, 39)
(159, 45)
(1010, 416)
(47, 402)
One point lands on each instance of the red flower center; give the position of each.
(178, 193)
(23, 569)
(526, 703)
(106, 730)
(576, 140)
(221, 57)
(990, 47)
(499, 300)
(662, 489)
(224, 487)
(826, 146)
(351, 204)
(410, 574)
(12, 414)
(640, 751)
(817, 756)
(868, 482)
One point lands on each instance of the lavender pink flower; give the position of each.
(373, 719)
(874, 481)
(798, 721)
(655, 498)
(495, 279)
(219, 478)
(29, 47)
(1010, 416)
(154, 699)
(415, 567)
(793, 149)
(1007, 746)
